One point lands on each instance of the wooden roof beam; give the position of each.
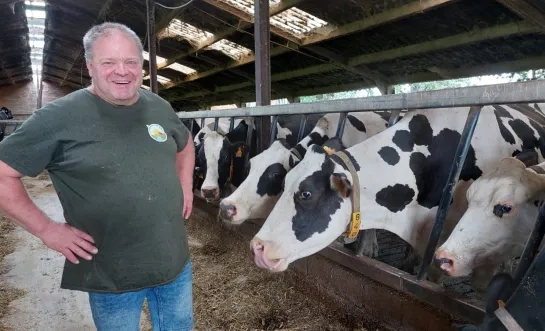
(284, 5)
(501, 31)
(526, 11)
(496, 68)
(388, 16)
(101, 14)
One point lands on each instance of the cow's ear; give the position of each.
(238, 149)
(528, 157)
(341, 184)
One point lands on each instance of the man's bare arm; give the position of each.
(185, 164)
(19, 208)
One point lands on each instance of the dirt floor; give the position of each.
(230, 293)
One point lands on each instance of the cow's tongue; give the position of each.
(261, 260)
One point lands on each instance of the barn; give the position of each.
(422, 94)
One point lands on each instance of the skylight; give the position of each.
(36, 24)
(181, 68)
(158, 59)
(196, 37)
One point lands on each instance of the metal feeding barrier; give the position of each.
(474, 97)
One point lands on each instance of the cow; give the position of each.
(223, 161)
(5, 114)
(524, 303)
(402, 172)
(257, 194)
(502, 208)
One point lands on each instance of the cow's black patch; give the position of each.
(316, 138)
(270, 182)
(396, 197)
(525, 133)
(538, 169)
(315, 203)
(318, 149)
(421, 130)
(500, 113)
(403, 140)
(431, 172)
(337, 159)
(356, 123)
(389, 155)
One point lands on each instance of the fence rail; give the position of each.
(530, 91)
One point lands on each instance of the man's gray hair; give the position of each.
(104, 29)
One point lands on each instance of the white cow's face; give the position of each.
(312, 212)
(214, 157)
(257, 194)
(501, 212)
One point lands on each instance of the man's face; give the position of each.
(116, 68)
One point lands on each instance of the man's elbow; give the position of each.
(7, 172)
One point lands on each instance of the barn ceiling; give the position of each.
(206, 48)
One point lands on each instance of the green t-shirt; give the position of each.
(114, 170)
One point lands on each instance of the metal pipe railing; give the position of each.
(508, 93)
(446, 197)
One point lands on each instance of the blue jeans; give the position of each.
(170, 306)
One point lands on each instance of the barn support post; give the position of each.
(274, 129)
(302, 124)
(263, 70)
(340, 127)
(152, 47)
(531, 248)
(446, 197)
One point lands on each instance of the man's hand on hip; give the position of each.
(68, 241)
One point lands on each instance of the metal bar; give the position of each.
(152, 46)
(274, 130)
(531, 248)
(394, 117)
(508, 93)
(216, 123)
(231, 124)
(251, 125)
(456, 168)
(263, 69)
(302, 125)
(340, 126)
(191, 126)
(12, 121)
(202, 122)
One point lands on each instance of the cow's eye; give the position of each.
(305, 195)
(500, 210)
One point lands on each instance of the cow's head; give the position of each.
(221, 158)
(312, 212)
(502, 207)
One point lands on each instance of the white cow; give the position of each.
(502, 210)
(402, 172)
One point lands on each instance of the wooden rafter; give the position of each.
(526, 11)
(496, 68)
(425, 47)
(388, 16)
(284, 5)
(101, 14)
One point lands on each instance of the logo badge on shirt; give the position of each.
(157, 133)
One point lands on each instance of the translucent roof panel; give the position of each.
(196, 37)
(158, 59)
(181, 68)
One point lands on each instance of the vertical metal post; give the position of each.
(531, 248)
(216, 123)
(342, 122)
(263, 69)
(456, 168)
(251, 126)
(274, 130)
(302, 125)
(231, 124)
(152, 49)
(202, 123)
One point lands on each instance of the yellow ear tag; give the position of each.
(329, 150)
(239, 152)
(354, 225)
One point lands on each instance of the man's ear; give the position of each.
(341, 184)
(238, 149)
(89, 66)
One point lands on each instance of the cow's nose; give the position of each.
(227, 211)
(209, 192)
(444, 261)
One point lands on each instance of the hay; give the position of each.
(231, 293)
(8, 246)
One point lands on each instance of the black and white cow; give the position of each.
(258, 193)
(502, 208)
(402, 172)
(217, 153)
(5, 114)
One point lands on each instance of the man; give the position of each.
(122, 164)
